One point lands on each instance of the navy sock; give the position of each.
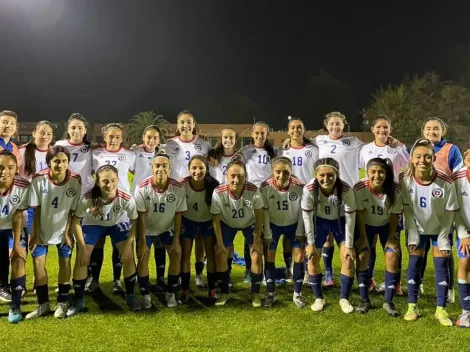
(346, 286)
(327, 254)
(413, 277)
(160, 262)
(211, 281)
(79, 288)
(363, 281)
(270, 275)
(298, 277)
(172, 283)
(117, 264)
(199, 266)
(256, 282)
(96, 262)
(391, 280)
(288, 260)
(222, 277)
(372, 260)
(42, 293)
(185, 277)
(315, 283)
(451, 270)
(427, 247)
(4, 261)
(63, 294)
(464, 293)
(144, 285)
(229, 264)
(247, 255)
(17, 285)
(129, 283)
(442, 280)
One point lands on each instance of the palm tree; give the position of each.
(140, 121)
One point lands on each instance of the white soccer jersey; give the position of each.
(15, 198)
(303, 160)
(122, 159)
(143, 164)
(258, 163)
(160, 206)
(219, 172)
(81, 162)
(399, 156)
(40, 161)
(430, 202)
(56, 201)
(345, 151)
(198, 210)
(283, 205)
(462, 184)
(119, 210)
(181, 152)
(376, 213)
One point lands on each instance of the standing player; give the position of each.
(180, 150)
(328, 206)
(160, 201)
(282, 216)
(237, 205)
(54, 195)
(104, 210)
(379, 205)
(198, 187)
(123, 160)
(429, 203)
(145, 152)
(8, 128)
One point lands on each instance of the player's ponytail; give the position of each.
(388, 185)
(96, 196)
(30, 150)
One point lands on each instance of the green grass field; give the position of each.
(108, 325)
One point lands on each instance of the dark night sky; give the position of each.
(110, 59)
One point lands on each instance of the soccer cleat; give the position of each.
(346, 307)
(221, 299)
(247, 278)
(5, 296)
(117, 287)
(399, 289)
(61, 310)
(412, 313)
(230, 281)
(318, 305)
(212, 294)
(299, 301)
(92, 286)
(200, 282)
(451, 296)
(363, 307)
(76, 308)
(443, 317)
(269, 301)
(170, 300)
(329, 282)
(184, 299)
(256, 300)
(372, 286)
(380, 288)
(462, 322)
(160, 286)
(288, 275)
(40, 311)
(391, 309)
(133, 304)
(146, 302)
(15, 315)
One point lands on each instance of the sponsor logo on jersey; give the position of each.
(45, 190)
(391, 150)
(70, 192)
(365, 200)
(410, 191)
(465, 194)
(122, 157)
(141, 155)
(370, 151)
(293, 196)
(117, 208)
(325, 142)
(336, 201)
(437, 193)
(84, 149)
(346, 142)
(198, 147)
(246, 203)
(170, 198)
(308, 153)
(272, 196)
(177, 149)
(15, 199)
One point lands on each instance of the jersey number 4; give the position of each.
(55, 202)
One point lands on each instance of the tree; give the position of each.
(418, 98)
(140, 121)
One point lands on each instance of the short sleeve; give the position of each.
(452, 202)
(258, 200)
(264, 194)
(131, 209)
(139, 198)
(216, 207)
(358, 198)
(307, 198)
(181, 205)
(170, 149)
(94, 161)
(349, 201)
(398, 205)
(23, 205)
(82, 208)
(455, 158)
(34, 200)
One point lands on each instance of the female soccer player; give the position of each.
(145, 152)
(329, 206)
(198, 187)
(282, 216)
(237, 205)
(379, 205)
(223, 154)
(104, 210)
(123, 160)
(14, 200)
(462, 184)
(429, 203)
(54, 195)
(79, 146)
(160, 201)
(180, 150)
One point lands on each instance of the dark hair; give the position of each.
(389, 183)
(267, 144)
(8, 154)
(218, 152)
(210, 183)
(9, 113)
(96, 195)
(442, 123)
(186, 112)
(236, 162)
(380, 117)
(79, 117)
(53, 151)
(419, 143)
(155, 128)
(305, 140)
(30, 150)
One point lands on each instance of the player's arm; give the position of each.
(36, 231)
(350, 217)
(68, 239)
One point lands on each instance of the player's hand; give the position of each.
(392, 142)
(68, 240)
(219, 248)
(18, 252)
(464, 246)
(412, 247)
(286, 144)
(142, 250)
(82, 254)
(311, 251)
(213, 162)
(33, 242)
(175, 248)
(393, 245)
(349, 253)
(127, 256)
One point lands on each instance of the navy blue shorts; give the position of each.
(93, 233)
(191, 228)
(287, 231)
(382, 233)
(324, 227)
(229, 233)
(423, 239)
(64, 250)
(164, 239)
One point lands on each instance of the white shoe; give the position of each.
(299, 301)
(200, 283)
(61, 310)
(306, 278)
(170, 300)
(40, 311)
(117, 287)
(451, 296)
(146, 302)
(92, 286)
(346, 307)
(318, 305)
(380, 287)
(421, 289)
(221, 299)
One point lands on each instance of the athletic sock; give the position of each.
(346, 286)
(17, 286)
(172, 283)
(42, 293)
(144, 285)
(391, 280)
(222, 277)
(117, 264)
(160, 262)
(288, 260)
(270, 276)
(199, 266)
(211, 281)
(298, 277)
(96, 262)
(315, 284)
(363, 281)
(327, 254)
(229, 264)
(185, 277)
(256, 282)
(413, 277)
(247, 255)
(442, 280)
(129, 283)
(63, 294)
(372, 260)
(464, 293)
(79, 288)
